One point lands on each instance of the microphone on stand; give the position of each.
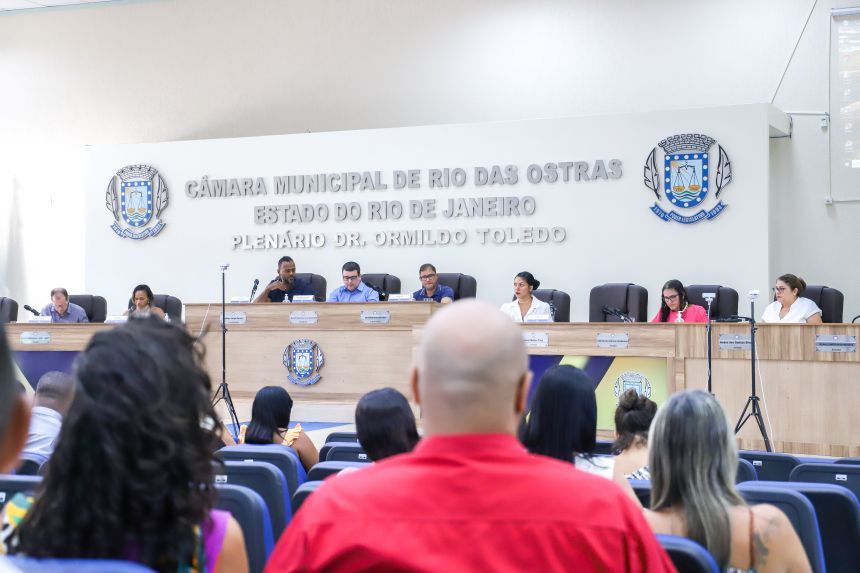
(33, 310)
(254, 288)
(611, 310)
(382, 294)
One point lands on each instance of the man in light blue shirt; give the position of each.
(353, 290)
(54, 394)
(61, 310)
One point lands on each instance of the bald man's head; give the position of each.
(55, 390)
(471, 374)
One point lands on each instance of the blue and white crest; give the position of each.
(138, 203)
(687, 177)
(303, 359)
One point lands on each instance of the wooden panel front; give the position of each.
(63, 336)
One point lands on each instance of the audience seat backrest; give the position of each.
(838, 474)
(848, 461)
(389, 284)
(770, 466)
(325, 469)
(95, 306)
(464, 286)
(29, 565)
(304, 492)
(329, 445)
(642, 489)
(8, 309)
(346, 453)
(687, 555)
(800, 513)
(746, 472)
(282, 457)
(342, 437)
(629, 298)
(838, 513)
(12, 484)
(603, 447)
(317, 282)
(265, 479)
(725, 303)
(250, 511)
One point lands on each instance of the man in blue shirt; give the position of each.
(353, 290)
(285, 285)
(61, 310)
(430, 287)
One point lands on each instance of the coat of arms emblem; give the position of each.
(136, 196)
(634, 380)
(687, 176)
(303, 359)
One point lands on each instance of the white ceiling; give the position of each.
(33, 4)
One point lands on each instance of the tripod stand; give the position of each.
(752, 403)
(709, 298)
(223, 391)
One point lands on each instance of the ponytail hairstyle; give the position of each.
(270, 413)
(677, 286)
(633, 418)
(794, 282)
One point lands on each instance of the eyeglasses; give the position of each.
(427, 277)
(351, 278)
(779, 289)
(670, 298)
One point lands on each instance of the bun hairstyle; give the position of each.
(529, 278)
(794, 282)
(633, 418)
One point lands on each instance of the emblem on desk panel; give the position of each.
(686, 177)
(633, 380)
(303, 359)
(136, 197)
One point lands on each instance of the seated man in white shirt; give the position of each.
(54, 394)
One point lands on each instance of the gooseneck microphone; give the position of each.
(382, 294)
(616, 312)
(33, 310)
(254, 288)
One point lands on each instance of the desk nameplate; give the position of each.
(375, 316)
(36, 337)
(235, 317)
(835, 343)
(613, 340)
(734, 342)
(304, 317)
(534, 339)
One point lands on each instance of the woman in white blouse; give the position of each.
(526, 307)
(789, 306)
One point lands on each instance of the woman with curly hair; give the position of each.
(132, 477)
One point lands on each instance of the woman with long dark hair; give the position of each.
(132, 477)
(385, 424)
(526, 306)
(562, 420)
(674, 306)
(693, 461)
(270, 424)
(142, 303)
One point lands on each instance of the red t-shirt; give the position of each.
(469, 503)
(693, 313)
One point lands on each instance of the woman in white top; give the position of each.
(789, 306)
(526, 307)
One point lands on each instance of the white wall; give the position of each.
(163, 70)
(611, 234)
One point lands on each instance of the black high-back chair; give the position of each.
(464, 286)
(558, 300)
(95, 306)
(8, 309)
(725, 302)
(829, 300)
(318, 285)
(629, 298)
(389, 284)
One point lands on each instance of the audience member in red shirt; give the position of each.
(469, 497)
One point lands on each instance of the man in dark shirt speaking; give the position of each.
(285, 285)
